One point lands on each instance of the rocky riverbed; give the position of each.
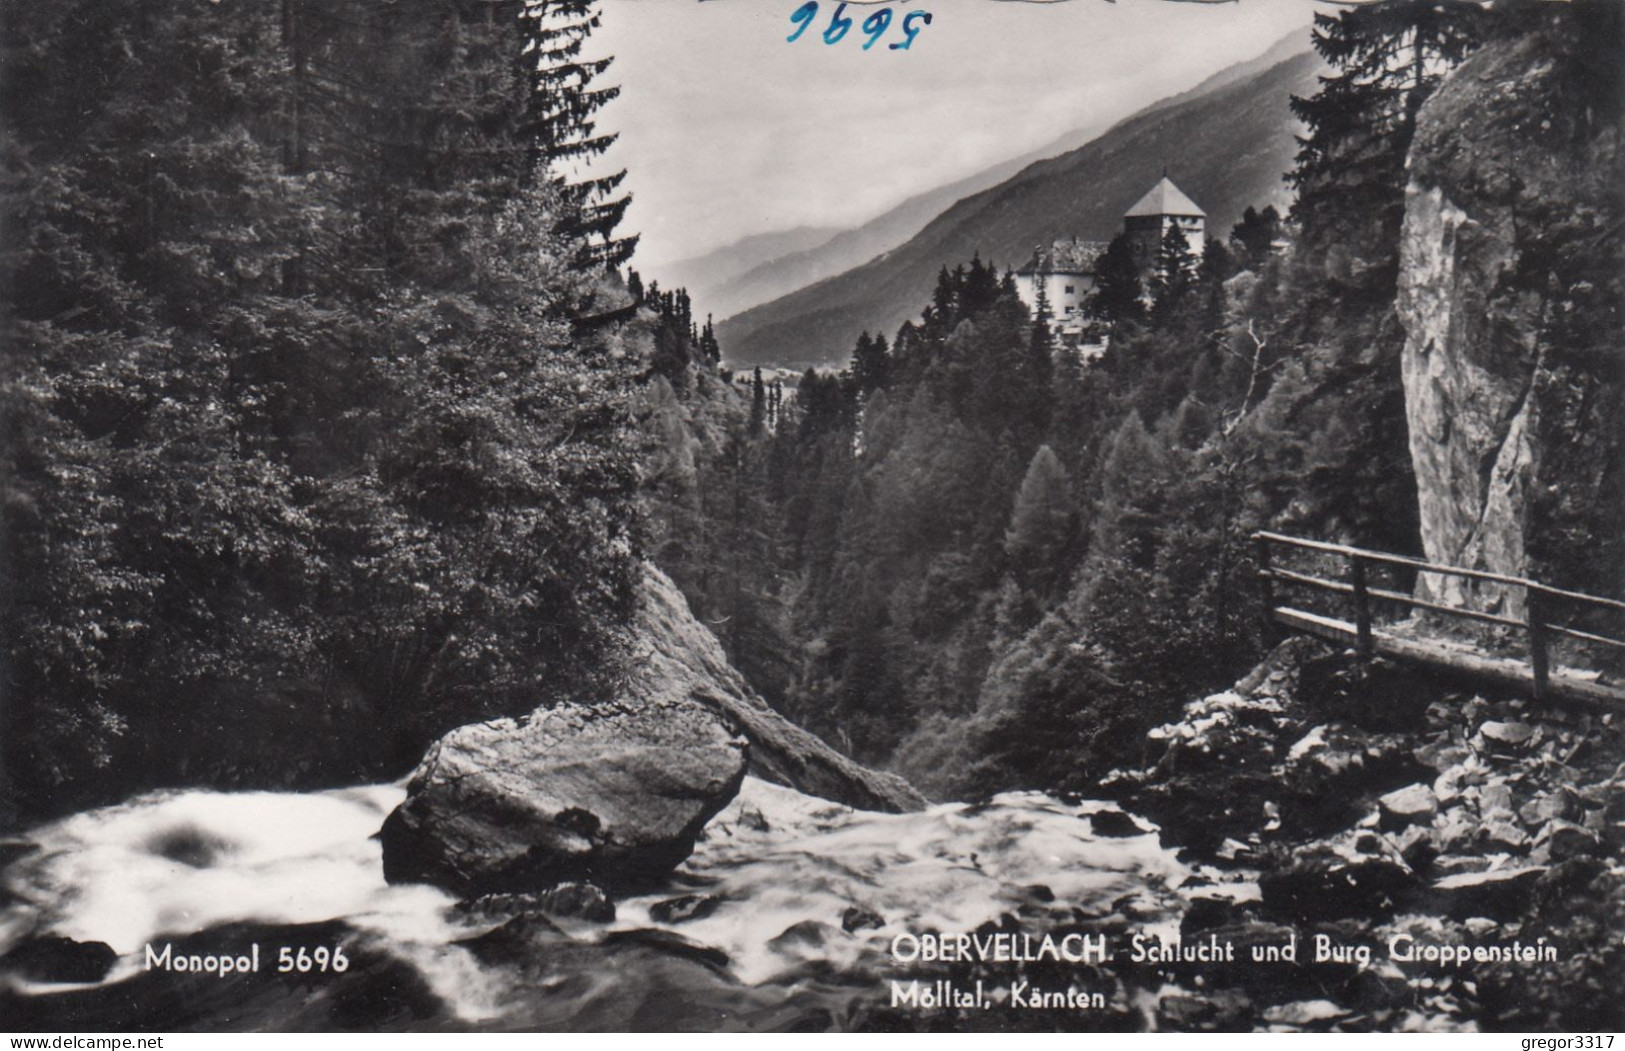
(1329, 845)
(1395, 816)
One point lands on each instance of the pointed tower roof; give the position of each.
(1164, 199)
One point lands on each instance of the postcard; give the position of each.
(581, 516)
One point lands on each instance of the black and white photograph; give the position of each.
(906, 516)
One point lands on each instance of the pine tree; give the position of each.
(562, 128)
(1173, 275)
(1389, 56)
(710, 350)
(289, 341)
(1042, 342)
(871, 364)
(979, 289)
(1254, 235)
(1039, 367)
(758, 404)
(1041, 524)
(1117, 284)
(1211, 274)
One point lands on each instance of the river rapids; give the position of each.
(806, 900)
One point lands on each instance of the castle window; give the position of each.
(1070, 290)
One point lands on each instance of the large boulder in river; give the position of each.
(672, 650)
(614, 794)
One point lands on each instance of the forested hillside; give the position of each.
(1227, 147)
(978, 559)
(315, 427)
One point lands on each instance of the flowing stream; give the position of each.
(783, 869)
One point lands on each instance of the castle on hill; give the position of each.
(1065, 270)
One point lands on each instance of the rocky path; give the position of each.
(1458, 857)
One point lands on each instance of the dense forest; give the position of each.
(982, 560)
(332, 418)
(315, 385)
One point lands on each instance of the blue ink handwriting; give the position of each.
(874, 27)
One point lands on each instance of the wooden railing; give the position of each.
(1541, 623)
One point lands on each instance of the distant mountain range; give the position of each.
(707, 276)
(1225, 142)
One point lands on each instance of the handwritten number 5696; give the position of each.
(874, 27)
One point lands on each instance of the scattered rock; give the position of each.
(1499, 895)
(1204, 914)
(583, 901)
(1500, 835)
(1440, 755)
(1512, 735)
(1455, 835)
(52, 958)
(1304, 1013)
(1597, 795)
(684, 908)
(1216, 1010)
(515, 943)
(1115, 824)
(613, 795)
(752, 818)
(1413, 804)
(1561, 886)
(1186, 1013)
(1495, 800)
(1335, 762)
(857, 918)
(1456, 864)
(1321, 884)
(1416, 846)
(1555, 805)
(1563, 840)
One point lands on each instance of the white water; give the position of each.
(305, 857)
(949, 868)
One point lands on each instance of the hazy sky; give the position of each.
(728, 130)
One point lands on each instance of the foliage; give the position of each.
(1388, 57)
(303, 435)
(1008, 564)
(1117, 284)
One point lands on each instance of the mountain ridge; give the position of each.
(705, 274)
(1226, 145)
(791, 271)
(785, 273)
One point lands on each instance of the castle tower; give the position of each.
(1164, 205)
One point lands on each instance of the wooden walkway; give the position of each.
(1542, 626)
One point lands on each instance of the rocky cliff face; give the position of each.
(674, 650)
(1510, 294)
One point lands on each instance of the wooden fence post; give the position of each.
(1539, 659)
(1266, 583)
(1266, 580)
(1362, 605)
